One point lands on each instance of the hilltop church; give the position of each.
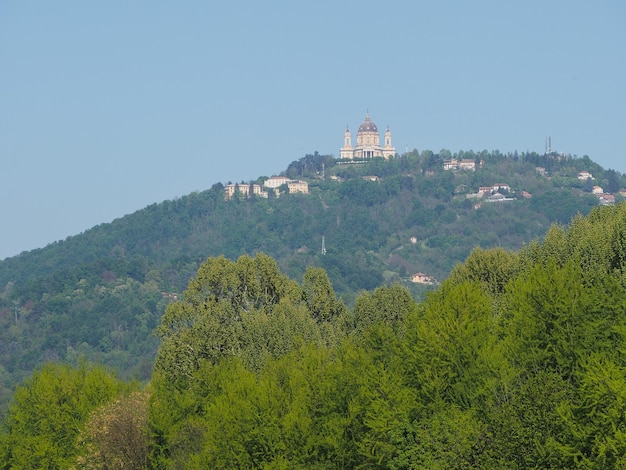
(367, 142)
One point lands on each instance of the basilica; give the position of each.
(367, 142)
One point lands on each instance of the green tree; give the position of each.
(492, 269)
(451, 353)
(206, 323)
(596, 420)
(319, 296)
(386, 305)
(527, 430)
(50, 409)
(613, 180)
(271, 335)
(554, 318)
(450, 438)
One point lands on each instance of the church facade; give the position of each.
(367, 143)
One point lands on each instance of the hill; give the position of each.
(515, 361)
(100, 294)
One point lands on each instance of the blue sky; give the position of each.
(107, 107)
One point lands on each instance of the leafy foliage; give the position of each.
(244, 309)
(516, 360)
(48, 412)
(115, 435)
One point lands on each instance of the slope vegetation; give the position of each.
(515, 361)
(100, 295)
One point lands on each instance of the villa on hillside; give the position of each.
(493, 194)
(421, 278)
(501, 187)
(450, 164)
(245, 189)
(293, 186)
(276, 181)
(273, 183)
(467, 164)
(297, 186)
(606, 199)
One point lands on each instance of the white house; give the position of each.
(467, 164)
(501, 187)
(276, 181)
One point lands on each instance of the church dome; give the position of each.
(368, 125)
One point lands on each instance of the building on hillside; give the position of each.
(276, 181)
(421, 278)
(293, 186)
(584, 176)
(244, 189)
(367, 143)
(607, 199)
(597, 190)
(501, 187)
(499, 197)
(297, 186)
(452, 164)
(467, 164)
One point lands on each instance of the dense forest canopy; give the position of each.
(517, 360)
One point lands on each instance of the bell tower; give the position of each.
(388, 150)
(346, 150)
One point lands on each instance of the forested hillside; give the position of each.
(517, 360)
(100, 295)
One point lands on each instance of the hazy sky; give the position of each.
(107, 107)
